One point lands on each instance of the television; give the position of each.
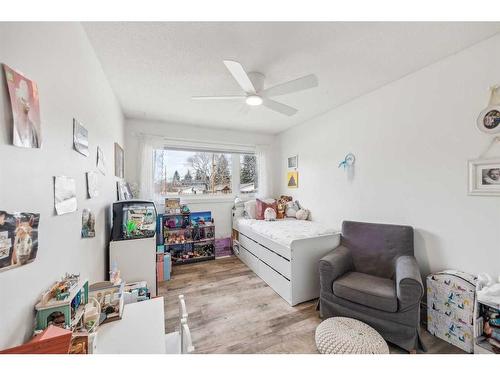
(133, 219)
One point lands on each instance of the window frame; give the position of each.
(234, 150)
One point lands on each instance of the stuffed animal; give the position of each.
(302, 214)
(269, 214)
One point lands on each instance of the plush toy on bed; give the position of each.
(282, 205)
(269, 214)
(302, 214)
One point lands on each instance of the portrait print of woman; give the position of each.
(25, 109)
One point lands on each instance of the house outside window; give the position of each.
(191, 172)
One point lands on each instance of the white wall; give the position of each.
(71, 84)
(221, 210)
(412, 139)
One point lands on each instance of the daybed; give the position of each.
(285, 254)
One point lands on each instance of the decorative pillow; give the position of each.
(269, 214)
(302, 214)
(250, 209)
(261, 206)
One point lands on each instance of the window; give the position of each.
(248, 174)
(195, 172)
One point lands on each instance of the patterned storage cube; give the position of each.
(450, 307)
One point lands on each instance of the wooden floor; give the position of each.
(231, 310)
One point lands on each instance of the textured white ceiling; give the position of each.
(154, 68)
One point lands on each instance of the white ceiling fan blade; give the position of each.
(240, 76)
(230, 97)
(279, 107)
(299, 84)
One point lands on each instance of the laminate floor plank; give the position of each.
(231, 310)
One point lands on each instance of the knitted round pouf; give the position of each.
(348, 336)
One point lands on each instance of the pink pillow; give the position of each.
(261, 207)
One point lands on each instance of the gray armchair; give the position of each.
(373, 276)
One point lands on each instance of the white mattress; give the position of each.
(286, 231)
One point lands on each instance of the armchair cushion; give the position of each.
(408, 282)
(372, 291)
(333, 265)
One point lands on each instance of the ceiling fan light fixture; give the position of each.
(254, 100)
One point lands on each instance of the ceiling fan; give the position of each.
(252, 84)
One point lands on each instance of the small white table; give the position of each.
(141, 330)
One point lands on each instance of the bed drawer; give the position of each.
(280, 285)
(277, 262)
(251, 245)
(249, 259)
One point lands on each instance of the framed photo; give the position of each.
(489, 120)
(293, 162)
(484, 177)
(292, 180)
(119, 161)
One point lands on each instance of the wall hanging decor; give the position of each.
(88, 223)
(489, 118)
(92, 184)
(80, 138)
(25, 109)
(18, 238)
(348, 161)
(123, 189)
(64, 195)
(119, 161)
(101, 162)
(293, 162)
(484, 177)
(292, 180)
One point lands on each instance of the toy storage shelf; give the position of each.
(193, 260)
(189, 243)
(481, 344)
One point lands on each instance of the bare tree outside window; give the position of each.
(180, 172)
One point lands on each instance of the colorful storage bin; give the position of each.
(450, 307)
(223, 247)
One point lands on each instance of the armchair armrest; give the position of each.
(409, 285)
(333, 265)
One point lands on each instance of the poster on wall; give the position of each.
(292, 180)
(124, 191)
(64, 195)
(18, 238)
(80, 138)
(119, 161)
(101, 162)
(25, 107)
(92, 184)
(88, 223)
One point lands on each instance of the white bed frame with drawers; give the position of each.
(292, 271)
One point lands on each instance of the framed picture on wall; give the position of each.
(484, 177)
(119, 161)
(292, 179)
(293, 162)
